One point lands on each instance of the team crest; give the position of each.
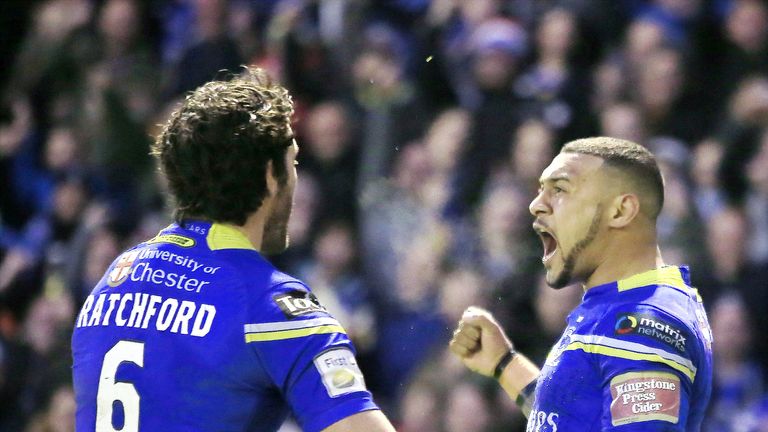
(122, 268)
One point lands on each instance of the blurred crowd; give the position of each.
(423, 127)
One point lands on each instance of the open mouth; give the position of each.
(548, 241)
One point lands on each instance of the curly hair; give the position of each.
(215, 148)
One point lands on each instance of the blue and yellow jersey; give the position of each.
(194, 331)
(635, 356)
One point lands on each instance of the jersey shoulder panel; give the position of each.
(306, 353)
(627, 333)
(288, 309)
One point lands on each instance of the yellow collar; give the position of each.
(222, 236)
(667, 275)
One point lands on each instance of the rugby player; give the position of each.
(636, 353)
(194, 330)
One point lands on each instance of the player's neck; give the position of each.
(253, 229)
(621, 261)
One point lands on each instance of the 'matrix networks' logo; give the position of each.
(650, 326)
(626, 324)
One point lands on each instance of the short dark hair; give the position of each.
(634, 162)
(215, 148)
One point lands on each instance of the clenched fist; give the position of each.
(479, 341)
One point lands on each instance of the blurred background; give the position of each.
(424, 126)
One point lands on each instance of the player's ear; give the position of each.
(271, 179)
(624, 208)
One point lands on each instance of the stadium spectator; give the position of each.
(445, 140)
(678, 224)
(47, 333)
(461, 288)
(667, 104)
(552, 308)
(297, 46)
(708, 194)
(333, 274)
(623, 120)
(503, 242)
(756, 203)
(726, 237)
(556, 87)
(212, 49)
(411, 327)
(393, 214)
(743, 51)
(531, 148)
(59, 415)
(617, 73)
(755, 274)
(15, 367)
(467, 409)
(385, 101)
(421, 408)
(333, 158)
(756, 418)
(457, 37)
(496, 57)
(738, 380)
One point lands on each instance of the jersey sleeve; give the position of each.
(647, 362)
(308, 357)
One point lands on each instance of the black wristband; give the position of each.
(503, 362)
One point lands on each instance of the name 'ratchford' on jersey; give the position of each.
(635, 356)
(194, 331)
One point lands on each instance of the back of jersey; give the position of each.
(195, 331)
(157, 345)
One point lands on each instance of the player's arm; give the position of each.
(369, 421)
(307, 355)
(648, 361)
(483, 347)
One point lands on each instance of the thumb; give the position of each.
(479, 317)
(490, 330)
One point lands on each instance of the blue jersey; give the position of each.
(636, 356)
(195, 331)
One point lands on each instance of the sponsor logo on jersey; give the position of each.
(540, 421)
(652, 327)
(296, 303)
(645, 396)
(141, 265)
(122, 269)
(176, 239)
(339, 372)
(626, 324)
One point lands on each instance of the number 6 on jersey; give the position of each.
(123, 392)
